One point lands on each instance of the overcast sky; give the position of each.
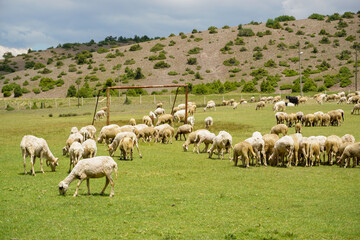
(40, 24)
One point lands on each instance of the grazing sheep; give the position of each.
(104, 109)
(37, 147)
(132, 122)
(75, 152)
(325, 120)
(298, 127)
(304, 149)
(179, 115)
(283, 147)
(191, 139)
(191, 120)
(322, 140)
(332, 145)
(109, 132)
(74, 130)
(222, 141)
(91, 130)
(335, 117)
(342, 113)
(85, 133)
(183, 130)
(203, 136)
(293, 100)
(99, 115)
(299, 116)
(96, 167)
(302, 100)
(242, 150)
(276, 99)
(269, 143)
(115, 143)
(348, 138)
(165, 118)
(147, 120)
(208, 122)
(341, 151)
(159, 105)
(342, 100)
(297, 138)
(236, 104)
(159, 111)
(290, 119)
(90, 148)
(166, 135)
(263, 99)
(257, 144)
(260, 105)
(210, 104)
(252, 99)
(76, 137)
(356, 108)
(318, 118)
(280, 117)
(147, 134)
(279, 106)
(126, 146)
(352, 150)
(192, 109)
(153, 117)
(314, 151)
(279, 128)
(309, 120)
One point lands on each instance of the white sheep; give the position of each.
(90, 148)
(96, 167)
(75, 152)
(222, 141)
(85, 133)
(209, 122)
(283, 147)
(92, 131)
(74, 130)
(115, 143)
(203, 136)
(279, 106)
(191, 120)
(152, 115)
(37, 147)
(126, 145)
(356, 108)
(159, 111)
(210, 104)
(147, 120)
(76, 137)
(179, 115)
(99, 115)
(257, 144)
(132, 121)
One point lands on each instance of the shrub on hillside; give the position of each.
(161, 64)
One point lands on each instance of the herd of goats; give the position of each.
(276, 148)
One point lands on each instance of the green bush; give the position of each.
(157, 47)
(325, 40)
(36, 90)
(323, 66)
(249, 87)
(317, 16)
(289, 72)
(38, 65)
(246, 32)
(231, 62)
(212, 30)
(173, 73)
(282, 46)
(285, 86)
(350, 38)
(270, 63)
(161, 64)
(239, 41)
(258, 55)
(102, 50)
(344, 55)
(192, 61)
(129, 62)
(47, 84)
(195, 50)
(135, 47)
(283, 64)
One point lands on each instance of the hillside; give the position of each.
(326, 47)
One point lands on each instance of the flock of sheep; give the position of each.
(268, 149)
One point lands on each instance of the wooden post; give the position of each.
(108, 106)
(186, 104)
(82, 101)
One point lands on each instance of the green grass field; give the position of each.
(171, 194)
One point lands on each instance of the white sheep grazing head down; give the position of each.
(52, 164)
(111, 150)
(63, 187)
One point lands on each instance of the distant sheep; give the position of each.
(147, 120)
(210, 104)
(90, 148)
(242, 150)
(203, 136)
(279, 106)
(132, 122)
(96, 167)
(356, 108)
(76, 137)
(279, 128)
(183, 130)
(37, 147)
(99, 115)
(159, 111)
(208, 122)
(260, 105)
(75, 153)
(115, 144)
(222, 141)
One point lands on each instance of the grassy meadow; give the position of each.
(171, 194)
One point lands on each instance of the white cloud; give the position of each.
(14, 51)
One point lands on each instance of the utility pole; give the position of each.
(356, 63)
(301, 93)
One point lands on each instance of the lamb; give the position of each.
(147, 120)
(279, 128)
(348, 138)
(210, 104)
(356, 108)
(96, 167)
(279, 106)
(260, 105)
(147, 134)
(76, 137)
(159, 111)
(37, 147)
(191, 120)
(165, 118)
(191, 139)
(298, 127)
(242, 149)
(74, 130)
(352, 150)
(99, 115)
(203, 136)
(332, 145)
(126, 145)
(75, 152)
(183, 130)
(132, 122)
(179, 115)
(284, 146)
(114, 145)
(208, 122)
(269, 143)
(90, 148)
(222, 141)
(257, 144)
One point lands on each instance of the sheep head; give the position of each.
(65, 150)
(52, 163)
(63, 187)
(185, 147)
(111, 150)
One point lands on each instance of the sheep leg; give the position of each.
(88, 185)
(32, 164)
(77, 187)
(137, 147)
(131, 154)
(41, 164)
(24, 156)
(112, 186)
(106, 184)
(70, 165)
(197, 146)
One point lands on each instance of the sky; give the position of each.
(40, 24)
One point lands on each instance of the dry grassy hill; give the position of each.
(280, 46)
